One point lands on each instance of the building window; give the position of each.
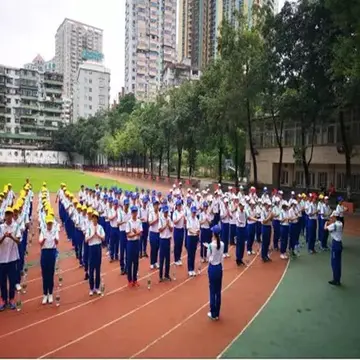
(90, 98)
(312, 182)
(284, 180)
(299, 178)
(340, 181)
(323, 179)
(90, 89)
(331, 134)
(90, 107)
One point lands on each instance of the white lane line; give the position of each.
(257, 314)
(76, 307)
(191, 315)
(117, 319)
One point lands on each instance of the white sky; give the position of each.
(28, 28)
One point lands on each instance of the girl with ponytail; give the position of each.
(215, 255)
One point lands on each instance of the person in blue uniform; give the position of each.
(9, 256)
(133, 233)
(48, 240)
(192, 240)
(335, 228)
(165, 229)
(94, 237)
(215, 253)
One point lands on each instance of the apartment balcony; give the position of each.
(53, 91)
(2, 70)
(53, 82)
(30, 106)
(28, 84)
(29, 97)
(25, 136)
(51, 109)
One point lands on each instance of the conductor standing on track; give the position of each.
(215, 271)
(335, 228)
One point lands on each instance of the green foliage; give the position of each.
(294, 67)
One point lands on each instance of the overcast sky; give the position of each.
(28, 28)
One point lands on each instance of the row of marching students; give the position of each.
(15, 217)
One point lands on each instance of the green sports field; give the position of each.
(53, 177)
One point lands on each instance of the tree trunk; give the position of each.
(305, 164)
(236, 159)
(151, 163)
(168, 157)
(144, 163)
(160, 160)
(220, 156)
(347, 152)
(179, 151)
(251, 142)
(278, 135)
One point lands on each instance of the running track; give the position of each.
(167, 321)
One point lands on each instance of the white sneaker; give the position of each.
(18, 287)
(50, 299)
(180, 262)
(44, 300)
(210, 316)
(253, 253)
(157, 266)
(193, 273)
(249, 252)
(98, 292)
(283, 256)
(91, 293)
(227, 255)
(152, 267)
(190, 273)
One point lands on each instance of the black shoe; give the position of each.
(146, 255)
(123, 272)
(268, 259)
(161, 280)
(141, 256)
(86, 276)
(167, 278)
(240, 263)
(333, 282)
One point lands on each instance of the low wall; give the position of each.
(37, 157)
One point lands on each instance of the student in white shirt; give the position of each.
(266, 229)
(154, 237)
(335, 228)
(241, 233)
(215, 255)
(193, 232)
(124, 217)
(225, 214)
(9, 256)
(284, 229)
(144, 217)
(341, 209)
(205, 232)
(311, 212)
(165, 229)
(48, 240)
(179, 231)
(94, 237)
(133, 235)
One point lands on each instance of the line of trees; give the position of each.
(300, 66)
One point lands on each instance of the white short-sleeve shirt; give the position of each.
(9, 250)
(134, 225)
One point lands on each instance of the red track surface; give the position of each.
(169, 320)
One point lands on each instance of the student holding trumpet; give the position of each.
(335, 228)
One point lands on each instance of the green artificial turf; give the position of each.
(53, 177)
(307, 317)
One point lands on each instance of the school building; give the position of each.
(328, 160)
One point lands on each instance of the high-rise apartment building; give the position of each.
(91, 90)
(40, 64)
(74, 43)
(30, 106)
(150, 43)
(200, 21)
